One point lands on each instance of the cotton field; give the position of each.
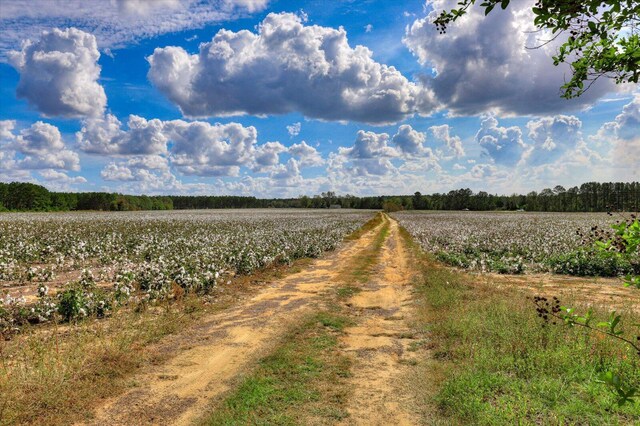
(514, 242)
(100, 259)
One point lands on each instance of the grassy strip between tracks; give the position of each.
(370, 225)
(360, 268)
(492, 362)
(301, 382)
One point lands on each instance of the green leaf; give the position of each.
(489, 9)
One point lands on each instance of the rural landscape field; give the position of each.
(314, 212)
(222, 317)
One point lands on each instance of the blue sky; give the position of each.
(290, 98)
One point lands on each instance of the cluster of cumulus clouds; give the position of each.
(37, 148)
(287, 65)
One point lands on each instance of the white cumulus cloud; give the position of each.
(60, 178)
(105, 135)
(286, 66)
(40, 148)
(59, 74)
(417, 156)
(409, 141)
(287, 175)
(482, 63)
(136, 168)
(553, 137)
(369, 156)
(414, 144)
(267, 156)
(503, 144)
(305, 154)
(203, 149)
(623, 136)
(453, 143)
(191, 148)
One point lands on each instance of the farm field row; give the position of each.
(106, 259)
(515, 242)
(149, 255)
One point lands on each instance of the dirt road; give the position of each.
(380, 340)
(206, 361)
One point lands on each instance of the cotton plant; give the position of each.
(13, 314)
(146, 254)
(513, 242)
(82, 298)
(45, 307)
(123, 287)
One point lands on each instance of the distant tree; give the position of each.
(318, 202)
(4, 188)
(559, 189)
(590, 196)
(603, 36)
(418, 201)
(329, 198)
(27, 196)
(392, 205)
(305, 202)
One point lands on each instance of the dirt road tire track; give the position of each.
(380, 340)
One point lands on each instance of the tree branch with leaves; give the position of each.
(603, 36)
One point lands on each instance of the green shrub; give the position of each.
(589, 262)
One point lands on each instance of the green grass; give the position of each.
(494, 363)
(299, 383)
(368, 226)
(360, 268)
(346, 291)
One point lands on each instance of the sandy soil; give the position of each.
(206, 361)
(596, 291)
(380, 340)
(29, 290)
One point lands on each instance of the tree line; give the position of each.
(22, 196)
(588, 197)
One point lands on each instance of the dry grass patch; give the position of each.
(55, 376)
(593, 291)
